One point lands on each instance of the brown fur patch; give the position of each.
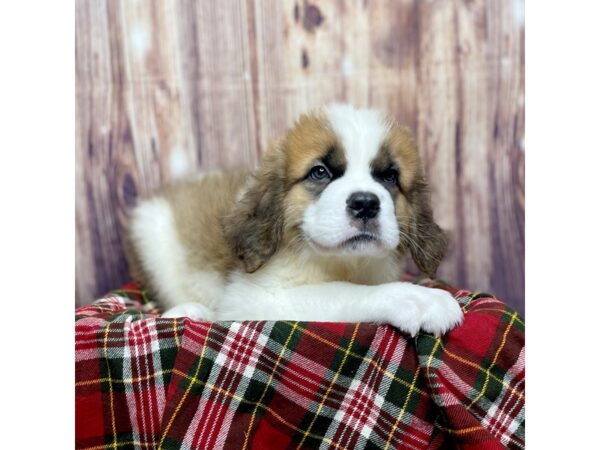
(200, 204)
(295, 203)
(309, 140)
(419, 232)
(196, 205)
(403, 149)
(428, 242)
(253, 228)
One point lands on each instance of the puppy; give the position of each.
(316, 233)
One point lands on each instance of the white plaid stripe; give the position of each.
(148, 362)
(130, 394)
(315, 393)
(345, 415)
(310, 384)
(443, 396)
(489, 413)
(204, 413)
(252, 349)
(220, 441)
(503, 423)
(141, 352)
(110, 304)
(159, 382)
(501, 419)
(196, 331)
(138, 346)
(519, 366)
(228, 360)
(136, 401)
(357, 413)
(363, 400)
(86, 339)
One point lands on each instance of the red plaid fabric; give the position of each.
(145, 382)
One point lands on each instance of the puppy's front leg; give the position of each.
(404, 305)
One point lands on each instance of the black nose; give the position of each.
(363, 205)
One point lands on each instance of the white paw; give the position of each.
(195, 311)
(442, 313)
(413, 308)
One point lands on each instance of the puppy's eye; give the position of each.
(389, 176)
(319, 173)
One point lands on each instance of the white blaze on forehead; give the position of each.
(361, 132)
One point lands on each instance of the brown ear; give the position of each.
(253, 229)
(428, 242)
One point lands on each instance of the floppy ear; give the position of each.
(254, 227)
(428, 243)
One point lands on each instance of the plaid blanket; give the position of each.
(145, 382)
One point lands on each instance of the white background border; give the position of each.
(562, 227)
(37, 234)
(37, 91)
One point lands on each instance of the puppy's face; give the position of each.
(343, 181)
(350, 168)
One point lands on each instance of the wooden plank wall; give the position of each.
(169, 86)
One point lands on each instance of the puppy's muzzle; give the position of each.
(363, 205)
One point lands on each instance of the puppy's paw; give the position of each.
(195, 311)
(406, 317)
(441, 312)
(412, 308)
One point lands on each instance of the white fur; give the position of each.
(406, 306)
(305, 285)
(162, 255)
(195, 311)
(300, 288)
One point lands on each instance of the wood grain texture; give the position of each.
(168, 87)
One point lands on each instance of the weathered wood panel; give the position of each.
(166, 87)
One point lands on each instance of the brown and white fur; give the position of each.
(290, 241)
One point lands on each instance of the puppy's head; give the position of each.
(343, 181)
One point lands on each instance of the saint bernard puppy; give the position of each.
(316, 233)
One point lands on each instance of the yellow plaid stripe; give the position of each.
(175, 332)
(335, 377)
(399, 418)
(364, 358)
(151, 444)
(124, 380)
(487, 371)
(478, 367)
(410, 391)
(110, 388)
(283, 348)
(187, 391)
(258, 405)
